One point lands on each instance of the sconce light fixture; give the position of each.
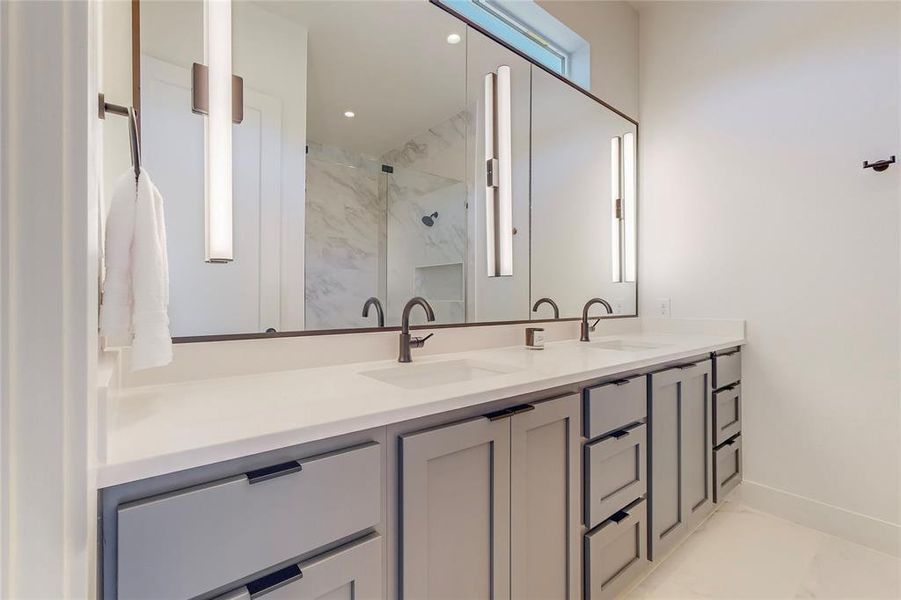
(219, 95)
(617, 236)
(499, 173)
(622, 202)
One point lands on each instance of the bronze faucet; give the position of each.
(584, 328)
(373, 301)
(553, 304)
(406, 342)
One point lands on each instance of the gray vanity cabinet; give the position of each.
(545, 487)
(489, 507)
(681, 482)
(455, 511)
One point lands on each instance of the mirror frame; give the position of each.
(136, 100)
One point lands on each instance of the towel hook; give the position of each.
(134, 138)
(880, 165)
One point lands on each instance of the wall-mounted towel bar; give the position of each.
(125, 111)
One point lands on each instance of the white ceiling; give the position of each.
(387, 61)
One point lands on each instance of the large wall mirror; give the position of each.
(379, 150)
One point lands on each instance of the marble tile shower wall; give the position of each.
(422, 260)
(440, 151)
(428, 178)
(365, 236)
(345, 216)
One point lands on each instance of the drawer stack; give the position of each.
(247, 528)
(615, 463)
(726, 422)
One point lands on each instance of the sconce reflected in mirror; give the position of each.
(499, 173)
(217, 30)
(622, 203)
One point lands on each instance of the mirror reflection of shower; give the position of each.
(429, 220)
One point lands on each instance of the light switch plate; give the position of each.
(663, 308)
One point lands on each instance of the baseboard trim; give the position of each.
(861, 529)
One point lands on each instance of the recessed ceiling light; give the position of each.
(454, 38)
(349, 114)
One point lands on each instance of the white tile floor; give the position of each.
(742, 553)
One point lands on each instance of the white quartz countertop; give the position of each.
(154, 430)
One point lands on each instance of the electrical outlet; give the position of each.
(663, 308)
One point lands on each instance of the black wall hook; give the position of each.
(879, 165)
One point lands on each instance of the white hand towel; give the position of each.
(140, 282)
(115, 309)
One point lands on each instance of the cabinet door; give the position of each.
(681, 423)
(455, 511)
(545, 500)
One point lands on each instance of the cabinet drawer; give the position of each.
(351, 572)
(726, 368)
(616, 552)
(616, 472)
(726, 468)
(726, 414)
(188, 542)
(614, 405)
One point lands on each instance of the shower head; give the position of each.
(429, 220)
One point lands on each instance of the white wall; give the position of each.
(611, 28)
(48, 281)
(755, 120)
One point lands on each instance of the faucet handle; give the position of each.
(418, 342)
(594, 325)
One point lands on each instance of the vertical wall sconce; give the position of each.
(630, 241)
(623, 209)
(212, 95)
(499, 173)
(617, 234)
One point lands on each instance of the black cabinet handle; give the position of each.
(621, 433)
(621, 382)
(267, 583)
(688, 366)
(509, 412)
(619, 516)
(267, 473)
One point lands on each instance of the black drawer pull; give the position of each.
(688, 366)
(509, 412)
(619, 516)
(621, 433)
(268, 583)
(730, 442)
(271, 472)
(499, 414)
(621, 382)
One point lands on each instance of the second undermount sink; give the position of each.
(625, 345)
(423, 375)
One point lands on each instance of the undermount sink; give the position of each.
(416, 376)
(625, 345)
